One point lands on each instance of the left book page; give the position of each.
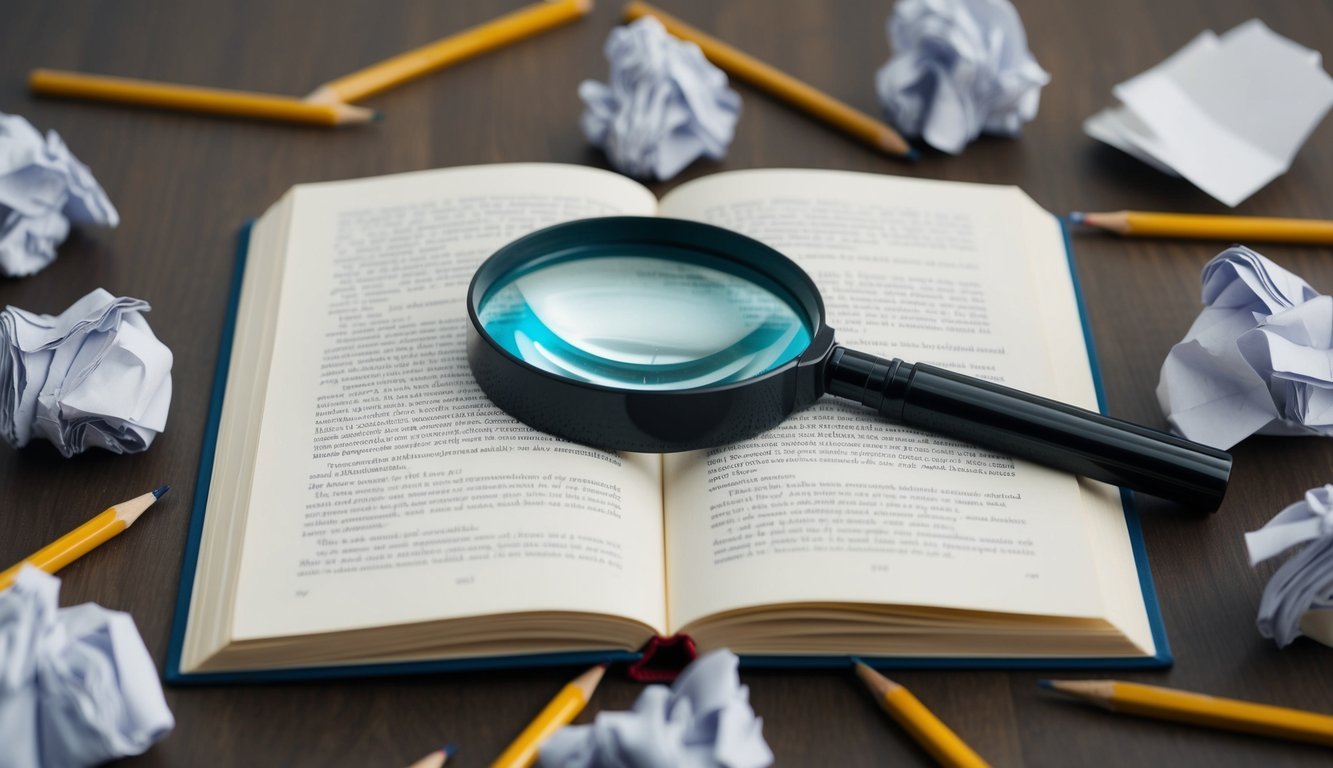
(364, 487)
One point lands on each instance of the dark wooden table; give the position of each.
(185, 183)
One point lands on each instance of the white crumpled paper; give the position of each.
(960, 68)
(1258, 360)
(703, 721)
(42, 189)
(77, 686)
(665, 106)
(1299, 597)
(93, 376)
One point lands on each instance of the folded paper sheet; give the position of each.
(77, 686)
(1258, 360)
(703, 720)
(1226, 112)
(665, 106)
(1299, 597)
(93, 376)
(960, 68)
(42, 189)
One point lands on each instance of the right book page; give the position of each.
(837, 506)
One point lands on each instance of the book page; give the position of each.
(387, 489)
(837, 505)
(251, 348)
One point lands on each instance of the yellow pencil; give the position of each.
(187, 98)
(781, 85)
(86, 537)
(1198, 709)
(559, 712)
(933, 735)
(399, 69)
(1234, 229)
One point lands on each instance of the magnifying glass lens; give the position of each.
(645, 322)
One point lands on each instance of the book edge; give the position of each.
(397, 668)
(208, 452)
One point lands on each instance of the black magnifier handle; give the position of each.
(1046, 431)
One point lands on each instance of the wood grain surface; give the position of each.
(185, 183)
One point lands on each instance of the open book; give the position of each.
(366, 504)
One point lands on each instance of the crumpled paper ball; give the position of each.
(703, 720)
(959, 68)
(77, 686)
(42, 189)
(1258, 360)
(1298, 599)
(93, 376)
(665, 107)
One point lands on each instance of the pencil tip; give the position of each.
(449, 750)
(1046, 684)
(378, 116)
(160, 492)
(912, 154)
(590, 679)
(1077, 217)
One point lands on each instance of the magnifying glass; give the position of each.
(662, 335)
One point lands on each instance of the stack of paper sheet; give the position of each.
(1228, 113)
